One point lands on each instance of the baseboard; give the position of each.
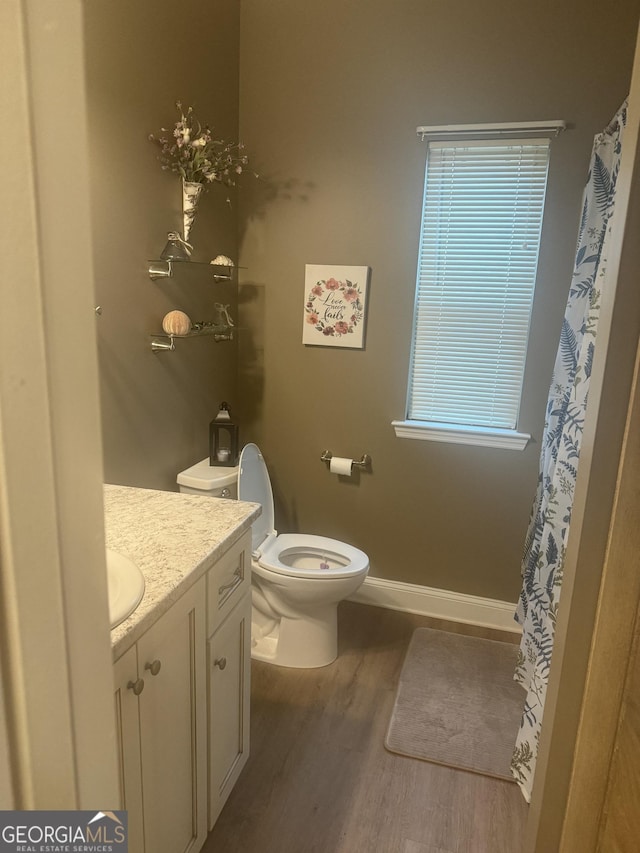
(438, 603)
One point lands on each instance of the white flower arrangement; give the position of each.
(190, 151)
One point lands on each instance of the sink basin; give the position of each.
(126, 586)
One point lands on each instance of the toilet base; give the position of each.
(303, 643)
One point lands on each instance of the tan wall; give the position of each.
(330, 95)
(141, 57)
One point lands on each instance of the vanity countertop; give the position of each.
(174, 539)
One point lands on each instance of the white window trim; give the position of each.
(513, 129)
(505, 439)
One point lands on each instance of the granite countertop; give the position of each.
(173, 539)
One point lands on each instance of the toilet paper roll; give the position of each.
(340, 465)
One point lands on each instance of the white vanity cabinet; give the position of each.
(161, 716)
(182, 709)
(229, 671)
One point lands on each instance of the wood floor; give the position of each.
(319, 779)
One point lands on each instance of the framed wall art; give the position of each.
(335, 305)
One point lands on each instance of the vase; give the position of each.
(191, 191)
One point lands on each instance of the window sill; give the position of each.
(506, 439)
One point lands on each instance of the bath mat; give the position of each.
(457, 703)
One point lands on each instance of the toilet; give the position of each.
(297, 579)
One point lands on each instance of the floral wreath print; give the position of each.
(322, 305)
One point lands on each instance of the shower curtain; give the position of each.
(546, 539)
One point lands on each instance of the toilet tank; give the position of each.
(215, 481)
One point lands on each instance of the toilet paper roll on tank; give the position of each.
(341, 465)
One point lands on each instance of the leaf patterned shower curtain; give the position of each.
(551, 514)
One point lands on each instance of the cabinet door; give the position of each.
(173, 727)
(125, 673)
(229, 697)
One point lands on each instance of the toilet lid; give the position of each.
(254, 485)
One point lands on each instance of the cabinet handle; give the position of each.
(237, 577)
(137, 686)
(153, 667)
(220, 663)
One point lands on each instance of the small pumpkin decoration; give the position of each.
(176, 323)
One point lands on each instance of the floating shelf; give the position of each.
(219, 333)
(166, 269)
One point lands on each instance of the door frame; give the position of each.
(57, 738)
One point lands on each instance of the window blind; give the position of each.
(480, 234)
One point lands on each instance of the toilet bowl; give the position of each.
(297, 580)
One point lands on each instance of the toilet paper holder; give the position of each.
(365, 462)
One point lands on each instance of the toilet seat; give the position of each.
(301, 555)
(294, 554)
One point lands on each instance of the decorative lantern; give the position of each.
(223, 438)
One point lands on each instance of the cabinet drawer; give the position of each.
(228, 581)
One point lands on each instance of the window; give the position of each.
(480, 234)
